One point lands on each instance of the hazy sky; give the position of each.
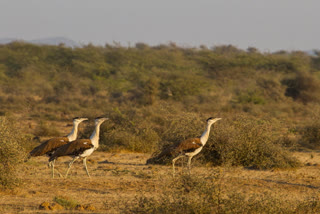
(264, 24)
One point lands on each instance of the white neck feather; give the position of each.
(205, 135)
(73, 134)
(95, 136)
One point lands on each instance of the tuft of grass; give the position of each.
(66, 202)
(140, 174)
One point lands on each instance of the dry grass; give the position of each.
(121, 181)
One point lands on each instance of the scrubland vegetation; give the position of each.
(11, 153)
(159, 95)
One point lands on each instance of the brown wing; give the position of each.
(189, 145)
(73, 148)
(49, 146)
(186, 146)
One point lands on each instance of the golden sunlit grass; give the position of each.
(122, 183)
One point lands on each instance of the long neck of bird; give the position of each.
(205, 135)
(73, 134)
(95, 136)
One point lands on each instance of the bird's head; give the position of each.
(79, 119)
(212, 120)
(100, 120)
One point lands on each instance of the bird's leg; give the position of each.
(182, 166)
(52, 163)
(189, 164)
(70, 164)
(60, 175)
(173, 162)
(52, 166)
(85, 166)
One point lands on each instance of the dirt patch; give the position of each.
(117, 179)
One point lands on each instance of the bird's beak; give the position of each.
(85, 119)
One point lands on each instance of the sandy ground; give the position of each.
(120, 177)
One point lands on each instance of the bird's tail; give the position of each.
(28, 156)
(51, 158)
(34, 153)
(162, 157)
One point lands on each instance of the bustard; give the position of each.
(80, 148)
(190, 147)
(50, 146)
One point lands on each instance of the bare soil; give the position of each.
(117, 178)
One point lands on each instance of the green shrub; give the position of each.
(148, 129)
(250, 97)
(238, 141)
(44, 130)
(186, 194)
(310, 135)
(66, 202)
(179, 88)
(248, 142)
(12, 153)
(125, 131)
(271, 88)
(176, 127)
(304, 87)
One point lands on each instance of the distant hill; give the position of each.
(45, 41)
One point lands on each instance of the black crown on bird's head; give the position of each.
(78, 118)
(210, 118)
(213, 118)
(101, 117)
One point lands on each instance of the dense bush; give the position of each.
(249, 142)
(310, 135)
(12, 153)
(303, 87)
(183, 195)
(46, 130)
(237, 141)
(148, 129)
